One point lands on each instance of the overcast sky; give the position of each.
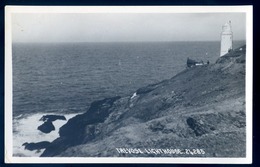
(124, 27)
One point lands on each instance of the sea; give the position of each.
(64, 78)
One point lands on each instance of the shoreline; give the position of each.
(23, 132)
(203, 104)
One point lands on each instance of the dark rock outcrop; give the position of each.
(47, 126)
(199, 127)
(146, 89)
(52, 118)
(157, 126)
(82, 128)
(98, 112)
(36, 146)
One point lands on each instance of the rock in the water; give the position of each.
(52, 118)
(36, 146)
(46, 127)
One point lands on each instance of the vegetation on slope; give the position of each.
(202, 107)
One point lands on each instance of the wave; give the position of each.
(25, 130)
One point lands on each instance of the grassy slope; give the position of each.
(202, 107)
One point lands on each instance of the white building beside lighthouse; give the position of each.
(226, 39)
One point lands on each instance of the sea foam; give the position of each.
(25, 130)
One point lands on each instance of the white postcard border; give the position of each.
(9, 10)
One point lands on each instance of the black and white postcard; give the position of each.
(128, 84)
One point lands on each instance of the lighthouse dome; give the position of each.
(226, 27)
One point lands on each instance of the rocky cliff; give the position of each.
(202, 107)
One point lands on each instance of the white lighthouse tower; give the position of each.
(226, 39)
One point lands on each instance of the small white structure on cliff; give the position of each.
(226, 39)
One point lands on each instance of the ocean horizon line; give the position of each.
(116, 42)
